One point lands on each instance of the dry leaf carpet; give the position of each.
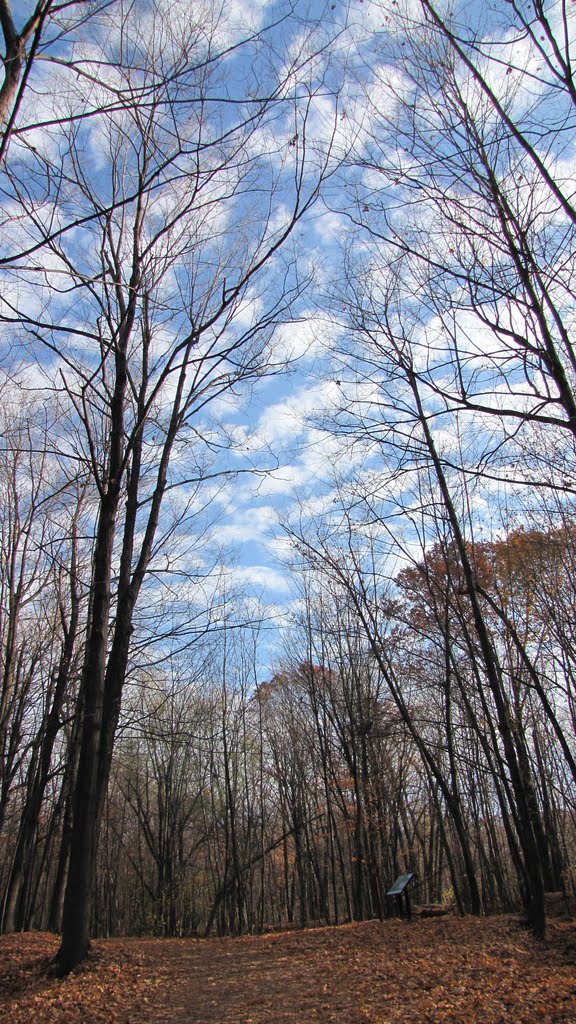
(427, 971)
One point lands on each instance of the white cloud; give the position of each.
(263, 576)
(249, 523)
(287, 420)
(249, 310)
(287, 478)
(303, 339)
(369, 19)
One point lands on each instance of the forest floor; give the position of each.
(424, 971)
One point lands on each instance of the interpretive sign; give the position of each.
(400, 889)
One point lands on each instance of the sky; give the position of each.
(349, 100)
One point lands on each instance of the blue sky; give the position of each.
(346, 100)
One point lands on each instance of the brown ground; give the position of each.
(427, 971)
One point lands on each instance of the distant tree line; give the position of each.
(234, 808)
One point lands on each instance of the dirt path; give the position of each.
(425, 972)
(420, 972)
(246, 980)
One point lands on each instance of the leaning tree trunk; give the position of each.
(534, 897)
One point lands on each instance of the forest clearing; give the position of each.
(423, 971)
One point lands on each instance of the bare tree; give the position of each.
(150, 269)
(465, 189)
(43, 35)
(459, 297)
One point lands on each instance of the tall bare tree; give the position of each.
(152, 268)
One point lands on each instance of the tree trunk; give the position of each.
(87, 791)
